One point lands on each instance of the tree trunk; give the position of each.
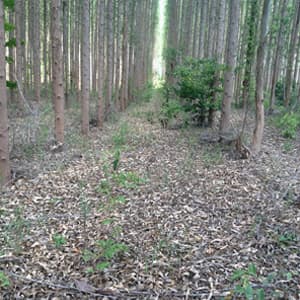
(37, 52)
(230, 61)
(45, 44)
(66, 48)
(277, 55)
(259, 93)
(85, 67)
(291, 55)
(4, 149)
(101, 67)
(110, 47)
(19, 52)
(12, 93)
(57, 70)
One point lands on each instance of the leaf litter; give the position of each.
(195, 218)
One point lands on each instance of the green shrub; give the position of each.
(195, 88)
(289, 124)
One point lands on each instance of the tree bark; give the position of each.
(57, 70)
(85, 67)
(37, 52)
(277, 55)
(4, 148)
(291, 55)
(101, 67)
(230, 61)
(259, 93)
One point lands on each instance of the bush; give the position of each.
(289, 124)
(195, 87)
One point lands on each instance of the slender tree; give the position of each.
(85, 67)
(37, 52)
(101, 67)
(230, 61)
(4, 149)
(259, 93)
(57, 69)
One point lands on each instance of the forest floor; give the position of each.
(179, 218)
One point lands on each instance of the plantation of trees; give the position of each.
(149, 149)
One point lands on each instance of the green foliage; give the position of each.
(289, 124)
(11, 43)
(4, 281)
(116, 159)
(59, 240)
(146, 93)
(106, 251)
(9, 3)
(104, 187)
(16, 229)
(195, 86)
(244, 287)
(170, 110)
(121, 135)
(128, 179)
(286, 239)
(11, 84)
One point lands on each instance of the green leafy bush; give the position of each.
(289, 124)
(195, 86)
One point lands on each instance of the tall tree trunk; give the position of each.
(85, 67)
(37, 52)
(277, 54)
(101, 67)
(230, 61)
(19, 51)
(291, 55)
(250, 53)
(66, 48)
(57, 70)
(4, 149)
(110, 47)
(45, 43)
(259, 93)
(204, 5)
(12, 93)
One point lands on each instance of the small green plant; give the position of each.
(17, 228)
(128, 180)
(212, 156)
(116, 159)
(287, 238)
(289, 124)
(59, 240)
(106, 251)
(244, 287)
(4, 281)
(287, 146)
(104, 187)
(121, 135)
(169, 111)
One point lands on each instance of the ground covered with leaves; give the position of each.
(141, 212)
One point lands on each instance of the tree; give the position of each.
(85, 68)
(230, 61)
(101, 67)
(4, 149)
(36, 51)
(278, 51)
(57, 70)
(291, 54)
(259, 93)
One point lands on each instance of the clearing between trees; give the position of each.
(142, 212)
